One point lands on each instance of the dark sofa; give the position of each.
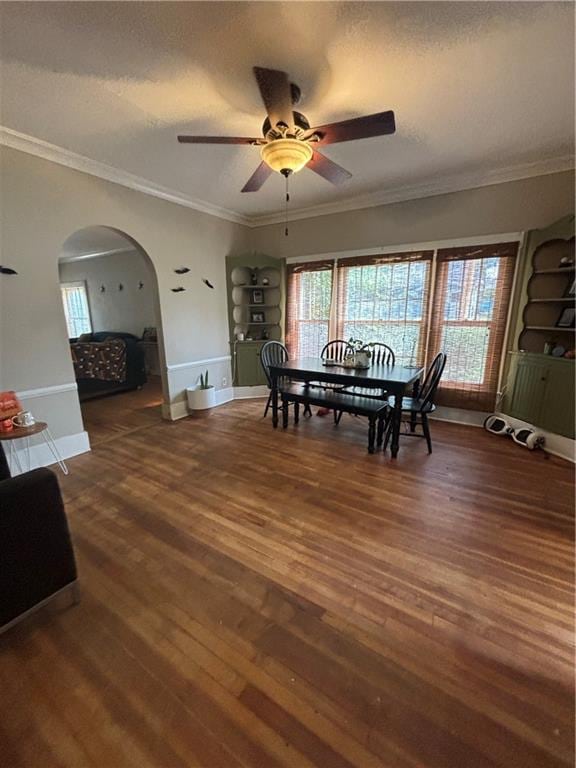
(36, 555)
(135, 367)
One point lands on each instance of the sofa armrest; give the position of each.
(36, 552)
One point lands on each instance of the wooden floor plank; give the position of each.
(281, 598)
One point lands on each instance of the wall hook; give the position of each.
(182, 270)
(207, 282)
(177, 290)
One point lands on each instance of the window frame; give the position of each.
(84, 286)
(509, 244)
(400, 258)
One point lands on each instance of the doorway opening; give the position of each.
(110, 302)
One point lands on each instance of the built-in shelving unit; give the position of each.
(548, 296)
(256, 320)
(255, 312)
(539, 383)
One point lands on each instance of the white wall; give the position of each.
(511, 207)
(42, 205)
(131, 309)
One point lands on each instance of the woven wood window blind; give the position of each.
(385, 299)
(308, 301)
(468, 321)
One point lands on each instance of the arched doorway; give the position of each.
(111, 306)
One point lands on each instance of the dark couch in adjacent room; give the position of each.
(135, 366)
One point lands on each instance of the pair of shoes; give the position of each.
(323, 411)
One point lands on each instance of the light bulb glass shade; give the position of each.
(286, 154)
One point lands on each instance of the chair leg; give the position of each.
(389, 426)
(426, 430)
(371, 434)
(284, 414)
(380, 433)
(296, 413)
(307, 410)
(268, 404)
(337, 417)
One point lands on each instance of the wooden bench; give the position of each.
(339, 402)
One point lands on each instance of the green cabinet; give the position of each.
(247, 367)
(540, 391)
(528, 388)
(557, 411)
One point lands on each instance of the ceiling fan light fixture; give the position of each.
(286, 155)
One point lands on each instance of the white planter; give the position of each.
(201, 399)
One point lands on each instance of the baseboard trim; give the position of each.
(41, 455)
(247, 393)
(460, 416)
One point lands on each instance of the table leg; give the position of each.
(371, 434)
(49, 440)
(15, 459)
(274, 396)
(396, 423)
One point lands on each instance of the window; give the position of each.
(385, 298)
(309, 296)
(470, 307)
(393, 299)
(76, 310)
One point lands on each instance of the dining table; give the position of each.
(397, 380)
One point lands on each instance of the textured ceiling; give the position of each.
(476, 88)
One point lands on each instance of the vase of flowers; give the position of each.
(359, 354)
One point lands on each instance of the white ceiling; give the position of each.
(480, 90)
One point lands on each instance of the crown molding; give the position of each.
(403, 193)
(47, 151)
(440, 186)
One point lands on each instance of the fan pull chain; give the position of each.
(286, 208)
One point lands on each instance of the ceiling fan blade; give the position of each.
(328, 169)
(258, 178)
(276, 95)
(217, 140)
(380, 124)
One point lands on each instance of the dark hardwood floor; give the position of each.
(261, 598)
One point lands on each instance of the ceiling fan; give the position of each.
(289, 143)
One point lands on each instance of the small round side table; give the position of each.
(25, 433)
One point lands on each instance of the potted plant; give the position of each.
(202, 396)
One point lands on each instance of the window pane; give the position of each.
(308, 312)
(467, 350)
(386, 303)
(469, 313)
(75, 301)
